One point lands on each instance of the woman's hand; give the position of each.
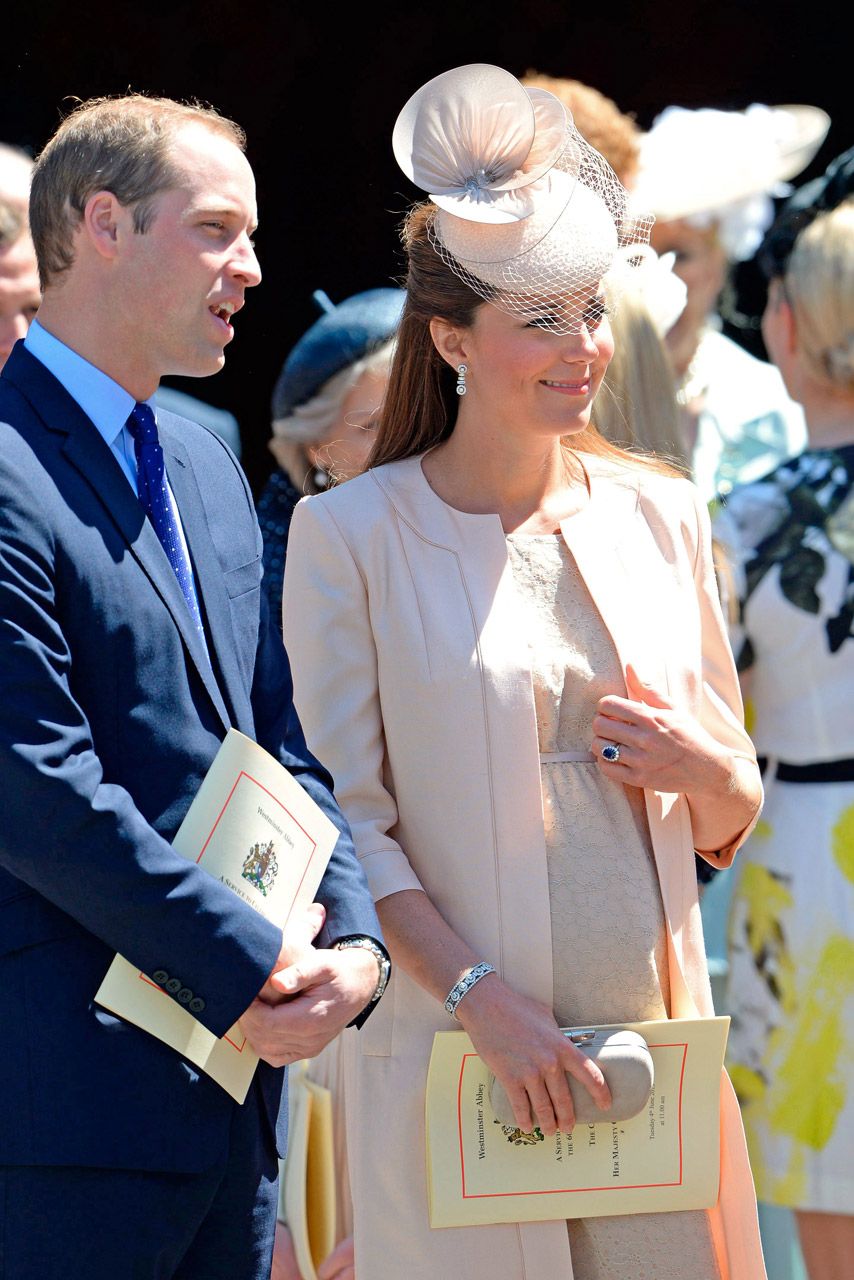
(660, 748)
(666, 750)
(522, 1045)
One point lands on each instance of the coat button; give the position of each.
(196, 1005)
(160, 976)
(173, 986)
(185, 995)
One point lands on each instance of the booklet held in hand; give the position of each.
(255, 829)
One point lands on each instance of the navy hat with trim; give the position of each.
(344, 334)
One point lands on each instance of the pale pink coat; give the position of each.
(412, 679)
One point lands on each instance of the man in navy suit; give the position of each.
(133, 633)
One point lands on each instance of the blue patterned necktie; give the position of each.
(154, 496)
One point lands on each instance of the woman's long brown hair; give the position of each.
(420, 405)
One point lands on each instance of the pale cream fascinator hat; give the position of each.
(708, 166)
(527, 214)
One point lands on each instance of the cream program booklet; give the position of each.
(667, 1157)
(254, 828)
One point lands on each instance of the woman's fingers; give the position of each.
(585, 1070)
(521, 1104)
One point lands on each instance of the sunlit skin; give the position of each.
(529, 391)
(344, 449)
(20, 293)
(701, 263)
(828, 408)
(142, 306)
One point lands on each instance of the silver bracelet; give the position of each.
(465, 984)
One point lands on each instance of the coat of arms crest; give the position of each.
(261, 867)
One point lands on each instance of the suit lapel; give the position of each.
(206, 567)
(86, 450)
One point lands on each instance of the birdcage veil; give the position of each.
(526, 213)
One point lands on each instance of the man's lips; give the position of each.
(222, 313)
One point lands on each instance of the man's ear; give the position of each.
(103, 221)
(450, 340)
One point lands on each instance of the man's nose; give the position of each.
(246, 265)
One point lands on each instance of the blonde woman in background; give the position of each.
(637, 408)
(791, 974)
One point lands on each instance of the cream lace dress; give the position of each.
(608, 936)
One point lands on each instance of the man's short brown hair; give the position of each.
(109, 144)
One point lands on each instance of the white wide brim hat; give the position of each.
(527, 213)
(707, 165)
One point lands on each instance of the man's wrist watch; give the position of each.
(383, 962)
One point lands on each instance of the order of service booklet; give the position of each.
(666, 1158)
(253, 827)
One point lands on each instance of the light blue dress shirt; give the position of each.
(103, 401)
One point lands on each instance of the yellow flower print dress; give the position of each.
(790, 539)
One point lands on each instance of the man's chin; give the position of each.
(199, 368)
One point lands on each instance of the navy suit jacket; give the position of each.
(110, 715)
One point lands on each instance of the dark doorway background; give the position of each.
(318, 87)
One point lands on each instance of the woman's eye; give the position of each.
(595, 313)
(542, 322)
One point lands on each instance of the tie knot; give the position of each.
(142, 424)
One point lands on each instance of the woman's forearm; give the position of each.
(721, 812)
(422, 942)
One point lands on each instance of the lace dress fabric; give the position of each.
(603, 887)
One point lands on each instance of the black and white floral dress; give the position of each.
(790, 539)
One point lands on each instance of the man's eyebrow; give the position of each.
(215, 211)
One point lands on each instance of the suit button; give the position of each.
(196, 1005)
(160, 976)
(173, 986)
(184, 996)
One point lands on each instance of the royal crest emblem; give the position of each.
(261, 867)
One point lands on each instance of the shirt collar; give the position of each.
(103, 401)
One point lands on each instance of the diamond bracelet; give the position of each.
(465, 984)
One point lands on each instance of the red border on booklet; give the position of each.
(143, 977)
(491, 1195)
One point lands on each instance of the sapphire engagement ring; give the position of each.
(611, 752)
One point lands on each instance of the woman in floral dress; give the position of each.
(791, 984)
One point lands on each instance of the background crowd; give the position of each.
(670, 390)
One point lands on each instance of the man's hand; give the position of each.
(296, 941)
(320, 994)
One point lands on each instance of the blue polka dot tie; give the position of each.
(154, 496)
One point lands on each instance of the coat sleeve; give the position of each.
(721, 710)
(69, 838)
(327, 628)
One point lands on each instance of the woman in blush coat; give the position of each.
(506, 640)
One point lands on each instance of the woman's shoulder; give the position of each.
(665, 491)
(365, 500)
